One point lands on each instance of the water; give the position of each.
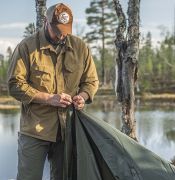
(155, 129)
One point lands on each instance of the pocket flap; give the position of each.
(43, 69)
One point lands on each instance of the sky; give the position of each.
(17, 14)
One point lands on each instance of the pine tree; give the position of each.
(9, 54)
(102, 21)
(146, 66)
(29, 30)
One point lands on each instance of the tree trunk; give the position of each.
(40, 11)
(103, 46)
(128, 49)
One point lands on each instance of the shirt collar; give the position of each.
(44, 44)
(68, 43)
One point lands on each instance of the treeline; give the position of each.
(156, 71)
(4, 64)
(157, 65)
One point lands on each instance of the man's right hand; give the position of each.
(61, 100)
(58, 100)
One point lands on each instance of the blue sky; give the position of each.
(17, 14)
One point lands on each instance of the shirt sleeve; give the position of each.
(18, 75)
(89, 81)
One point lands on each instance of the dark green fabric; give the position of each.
(32, 153)
(97, 151)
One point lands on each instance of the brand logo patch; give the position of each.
(64, 18)
(39, 128)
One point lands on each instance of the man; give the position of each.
(49, 71)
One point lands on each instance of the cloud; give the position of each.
(80, 20)
(8, 42)
(16, 25)
(158, 32)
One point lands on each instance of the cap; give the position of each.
(60, 18)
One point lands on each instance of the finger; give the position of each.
(66, 97)
(80, 105)
(78, 108)
(75, 98)
(62, 101)
(81, 101)
(75, 105)
(62, 105)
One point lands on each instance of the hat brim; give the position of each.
(63, 29)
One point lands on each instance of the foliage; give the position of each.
(157, 66)
(29, 30)
(102, 21)
(109, 65)
(4, 66)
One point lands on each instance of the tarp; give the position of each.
(94, 150)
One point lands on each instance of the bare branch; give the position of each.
(40, 11)
(122, 24)
(133, 29)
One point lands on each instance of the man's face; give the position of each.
(55, 36)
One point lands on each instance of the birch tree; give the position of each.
(127, 44)
(40, 13)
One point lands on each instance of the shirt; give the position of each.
(37, 67)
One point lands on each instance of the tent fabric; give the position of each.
(94, 150)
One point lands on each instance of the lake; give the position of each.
(155, 130)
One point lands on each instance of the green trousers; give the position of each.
(32, 154)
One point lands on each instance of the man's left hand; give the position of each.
(78, 102)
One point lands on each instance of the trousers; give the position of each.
(32, 153)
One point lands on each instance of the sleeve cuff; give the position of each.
(84, 95)
(29, 95)
(87, 95)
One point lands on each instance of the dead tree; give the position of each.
(127, 44)
(40, 13)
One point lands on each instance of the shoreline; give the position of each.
(7, 102)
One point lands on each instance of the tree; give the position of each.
(127, 45)
(3, 70)
(40, 11)
(165, 58)
(146, 68)
(9, 53)
(29, 30)
(102, 22)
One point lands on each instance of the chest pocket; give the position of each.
(73, 71)
(42, 78)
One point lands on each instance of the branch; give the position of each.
(121, 46)
(40, 11)
(133, 29)
(122, 24)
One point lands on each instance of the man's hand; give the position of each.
(61, 100)
(78, 102)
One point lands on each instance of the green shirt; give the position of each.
(37, 67)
